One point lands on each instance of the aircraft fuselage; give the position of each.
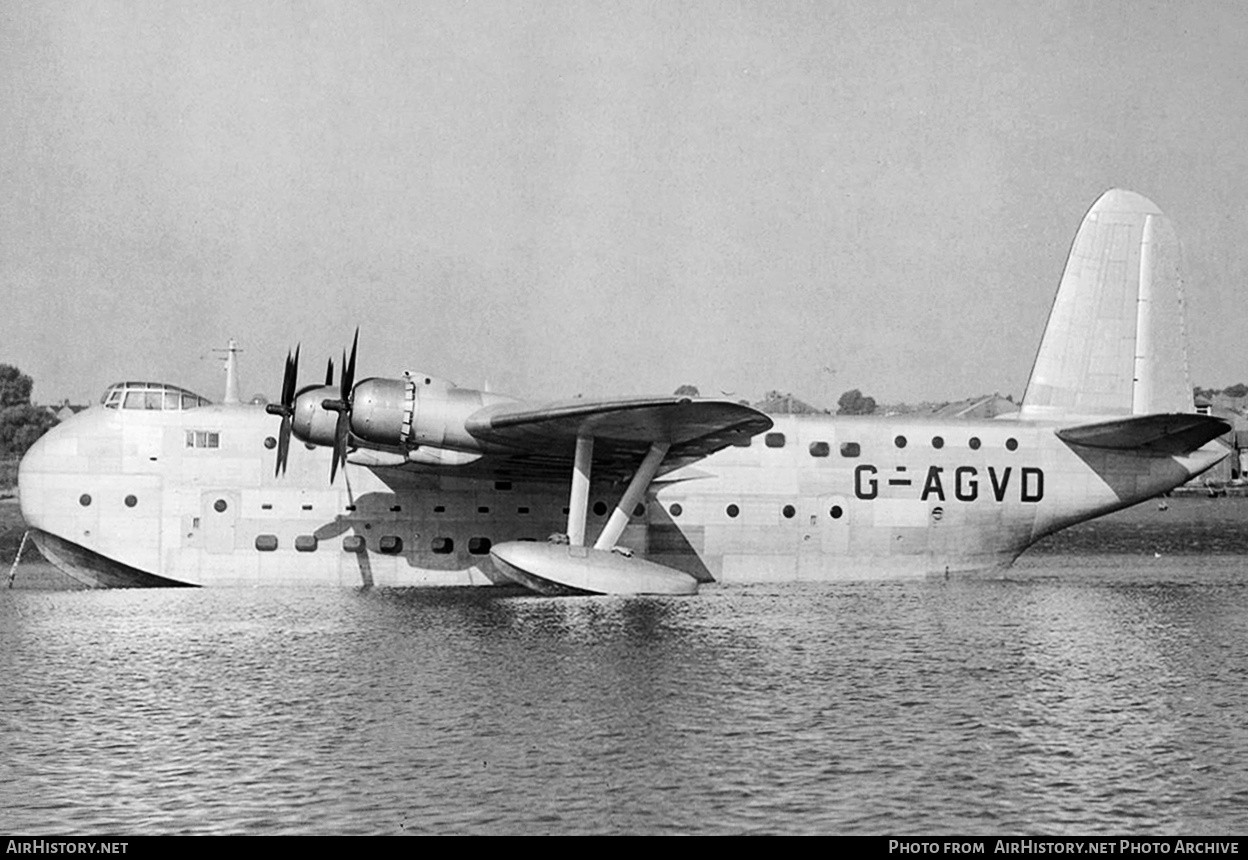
(123, 497)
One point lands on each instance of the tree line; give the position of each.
(21, 422)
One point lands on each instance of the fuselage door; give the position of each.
(218, 517)
(824, 536)
(834, 520)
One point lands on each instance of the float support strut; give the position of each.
(636, 487)
(579, 501)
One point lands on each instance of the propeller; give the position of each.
(286, 409)
(342, 406)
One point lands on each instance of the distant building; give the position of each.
(977, 408)
(65, 409)
(1234, 467)
(775, 403)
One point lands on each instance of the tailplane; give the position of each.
(1172, 435)
(1116, 342)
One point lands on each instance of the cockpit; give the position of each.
(151, 395)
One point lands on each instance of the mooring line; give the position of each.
(21, 546)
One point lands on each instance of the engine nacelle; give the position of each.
(312, 422)
(416, 411)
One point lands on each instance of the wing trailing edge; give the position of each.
(1175, 434)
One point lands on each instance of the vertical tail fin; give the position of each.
(1116, 341)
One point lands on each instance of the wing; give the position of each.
(535, 441)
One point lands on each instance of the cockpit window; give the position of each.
(155, 396)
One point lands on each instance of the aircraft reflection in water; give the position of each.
(449, 486)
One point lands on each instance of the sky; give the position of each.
(561, 198)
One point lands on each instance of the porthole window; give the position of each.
(938, 442)
(774, 440)
(266, 543)
(600, 508)
(789, 512)
(270, 442)
(219, 506)
(835, 512)
(850, 449)
(743, 443)
(131, 501)
(639, 510)
(819, 449)
(974, 443)
(479, 545)
(675, 510)
(1011, 444)
(732, 511)
(391, 544)
(306, 543)
(900, 441)
(352, 543)
(443, 546)
(84, 500)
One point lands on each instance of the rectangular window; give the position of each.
(774, 440)
(850, 449)
(203, 439)
(818, 449)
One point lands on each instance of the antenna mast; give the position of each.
(231, 371)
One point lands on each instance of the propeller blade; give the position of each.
(329, 371)
(291, 382)
(283, 446)
(286, 409)
(342, 406)
(340, 444)
(348, 378)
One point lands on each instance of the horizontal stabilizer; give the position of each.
(1175, 434)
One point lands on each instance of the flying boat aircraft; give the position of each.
(413, 481)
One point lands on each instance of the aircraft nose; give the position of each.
(36, 474)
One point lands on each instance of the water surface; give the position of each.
(1100, 687)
